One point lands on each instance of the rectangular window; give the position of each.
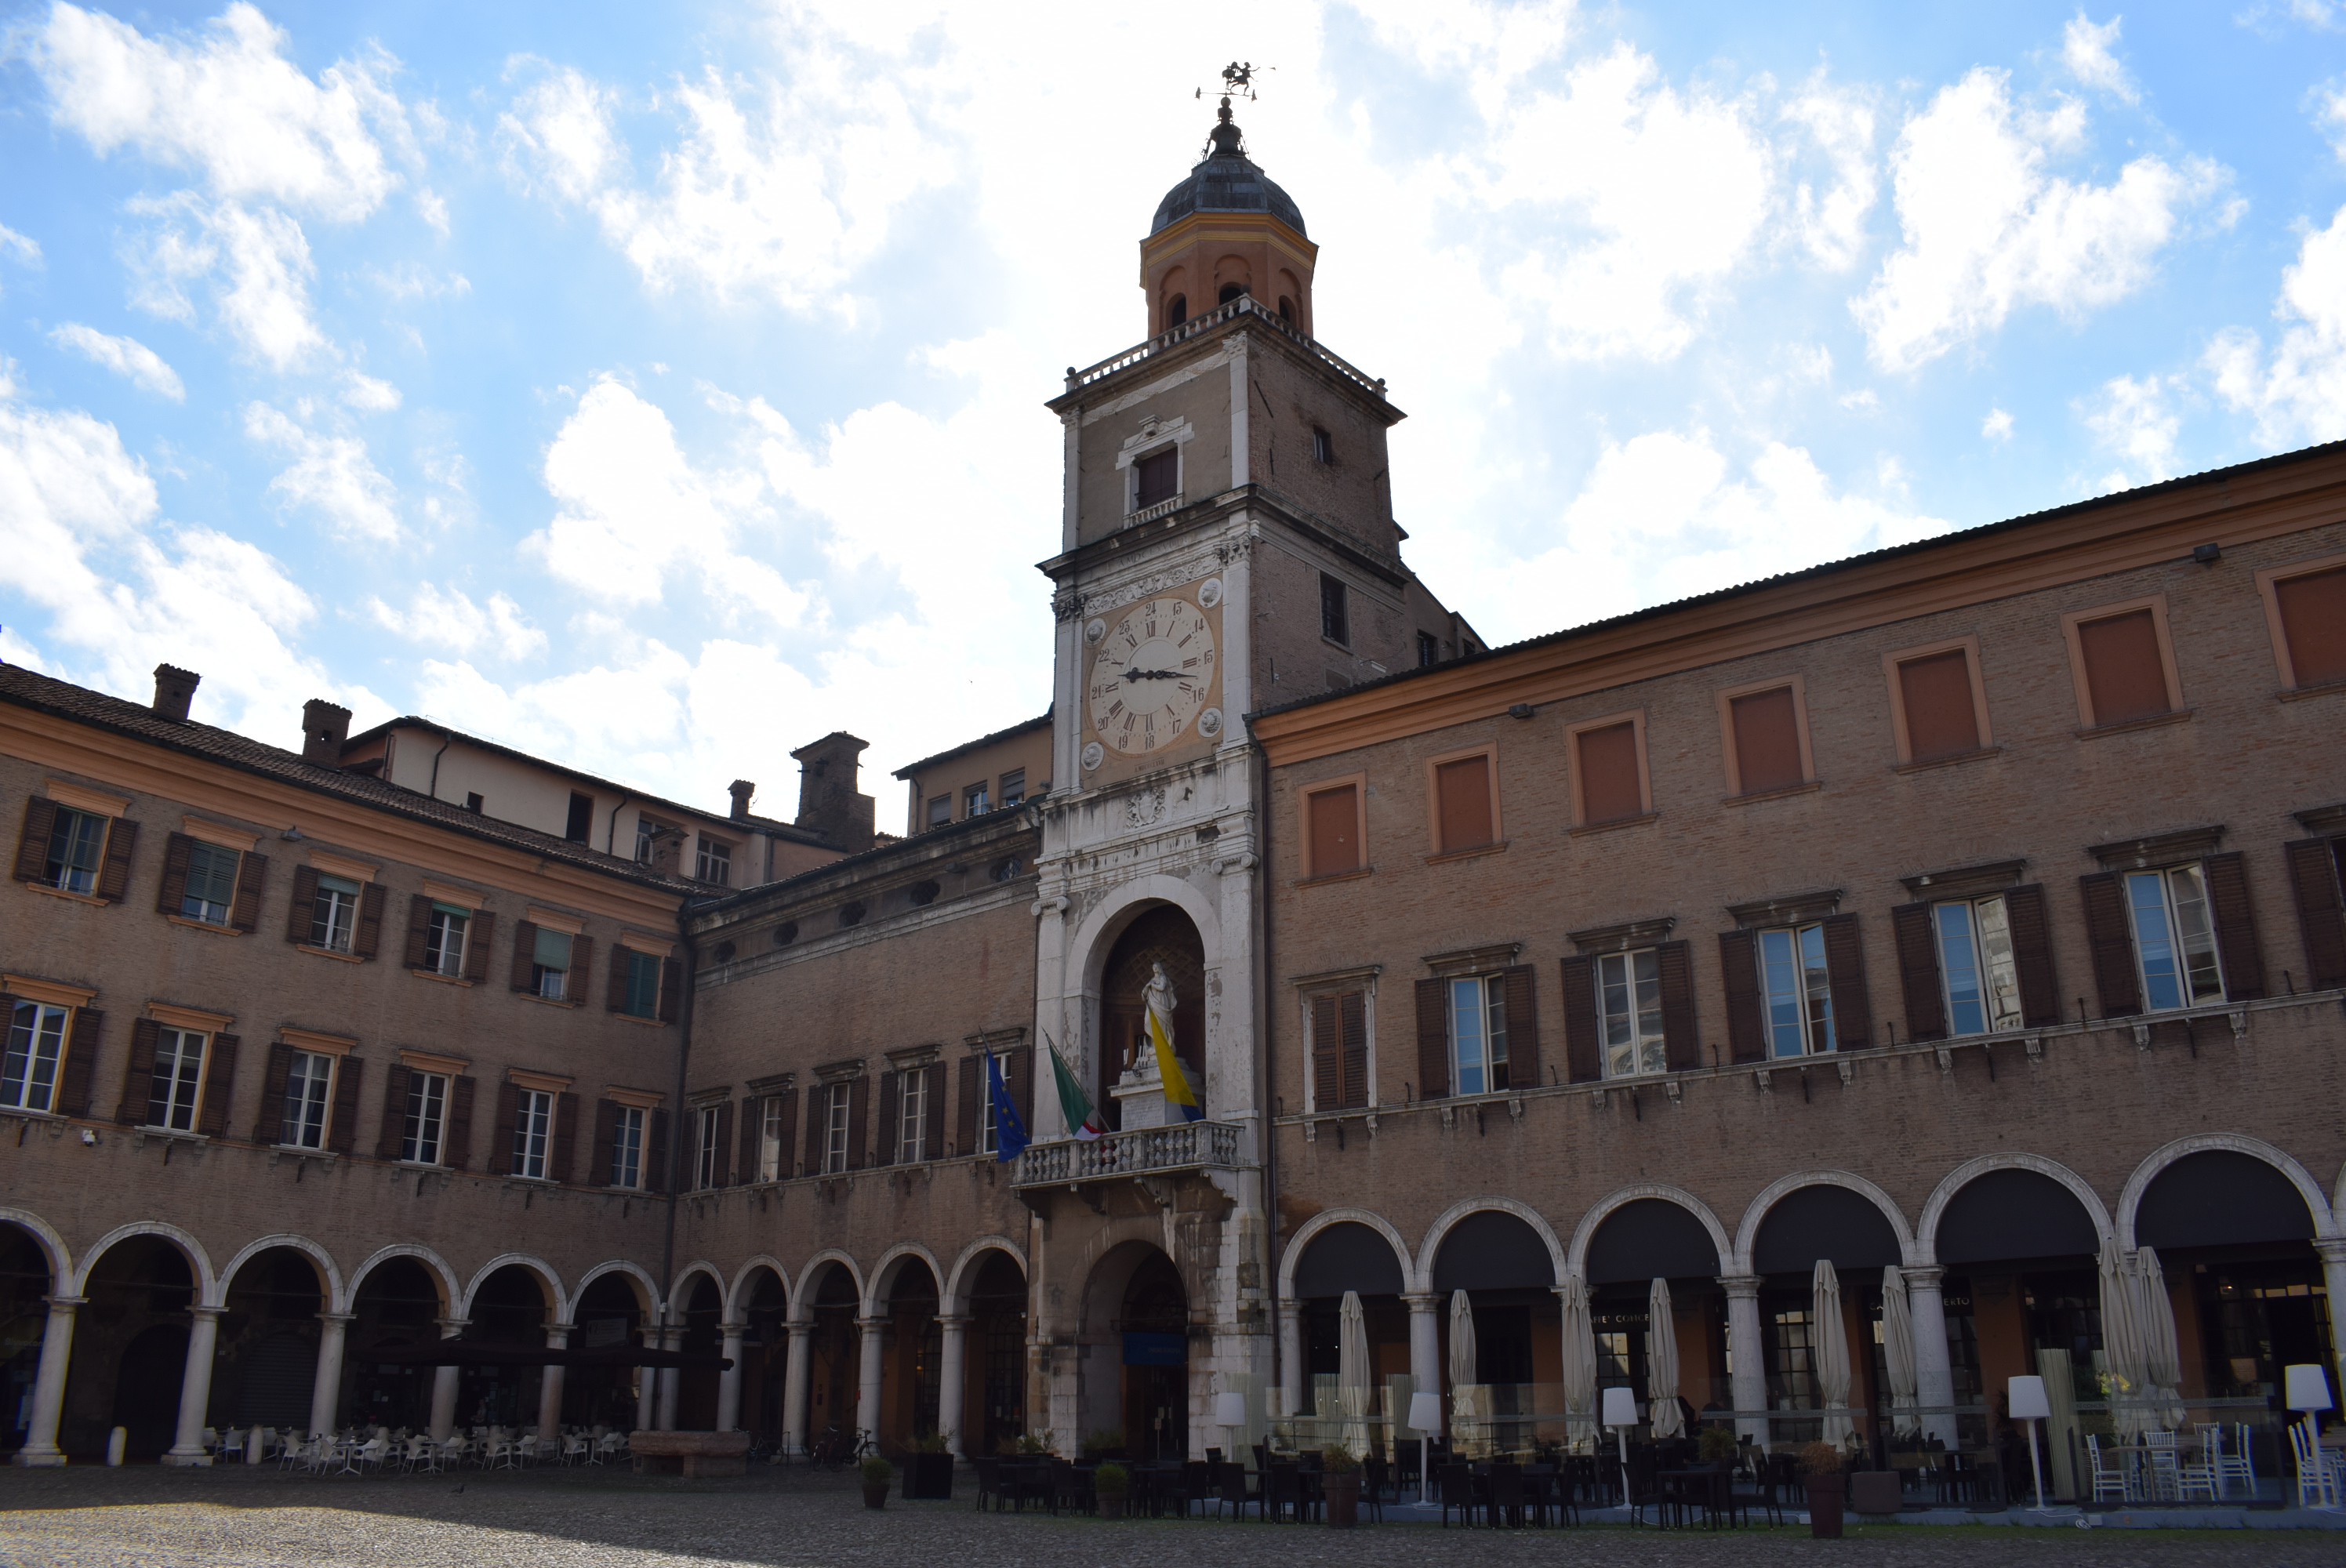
(913, 1115)
(1795, 991)
(2173, 939)
(549, 969)
(1335, 614)
(1629, 1012)
(1611, 788)
(1334, 827)
(972, 801)
(648, 832)
(715, 864)
(770, 1140)
(212, 884)
(1767, 730)
(643, 985)
(1324, 446)
(580, 827)
(334, 914)
(704, 1159)
(444, 939)
(940, 811)
(427, 1116)
(76, 843)
(1462, 795)
(36, 1040)
(1975, 964)
(986, 1134)
(309, 1093)
(1157, 478)
(533, 1129)
(834, 1126)
(1014, 788)
(1935, 694)
(2126, 672)
(1478, 1034)
(628, 1147)
(1429, 650)
(179, 1080)
(2310, 614)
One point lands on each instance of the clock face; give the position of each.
(1150, 676)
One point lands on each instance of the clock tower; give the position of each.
(1227, 544)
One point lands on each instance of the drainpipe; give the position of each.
(611, 833)
(1263, 972)
(446, 741)
(677, 1136)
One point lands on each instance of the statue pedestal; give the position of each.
(1142, 1097)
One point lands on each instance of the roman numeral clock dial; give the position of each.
(1150, 675)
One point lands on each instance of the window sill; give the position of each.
(1614, 824)
(1956, 761)
(631, 1018)
(1788, 791)
(1332, 642)
(329, 952)
(1351, 876)
(419, 1165)
(206, 925)
(433, 974)
(2299, 693)
(547, 1000)
(2155, 721)
(138, 1135)
(1448, 855)
(69, 897)
(279, 1151)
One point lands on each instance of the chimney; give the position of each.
(828, 801)
(174, 690)
(742, 791)
(667, 851)
(324, 726)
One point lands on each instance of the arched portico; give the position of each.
(38, 1314)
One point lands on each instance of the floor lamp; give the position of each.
(1230, 1414)
(1621, 1414)
(1425, 1415)
(2305, 1390)
(2028, 1403)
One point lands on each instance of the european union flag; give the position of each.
(1009, 1132)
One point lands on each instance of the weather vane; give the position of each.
(1238, 79)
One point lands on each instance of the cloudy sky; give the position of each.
(659, 388)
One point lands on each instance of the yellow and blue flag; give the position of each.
(1179, 1091)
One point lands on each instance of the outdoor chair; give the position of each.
(1230, 1491)
(574, 1448)
(1377, 1486)
(1761, 1493)
(2317, 1484)
(1455, 1483)
(1506, 1501)
(2238, 1463)
(2110, 1475)
(989, 1482)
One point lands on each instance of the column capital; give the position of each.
(871, 1325)
(1927, 1276)
(338, 1317)
(954, 1319)
(1740, 1287)
(797, 1329)
(2331, 1249)
(449, 1326)
(62, 1305)
(1423, 1301)
(214, 1312)
(562, 1328)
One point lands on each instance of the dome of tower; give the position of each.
(1227, 180)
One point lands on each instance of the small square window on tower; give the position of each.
(1157, 478)
(1324, 446)
(1429, 650)
(1335, 621)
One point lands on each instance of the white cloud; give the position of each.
(257, 261)
(1997, 426)
(125, 357)
(2300, 394)
(408, 280)
(227, 105)
(368, 395)
(1840, 123)
(19, 248)
(1987, 230)
(558, 131)
(2085, 51)
(449, 620)
(2133, 420)
(331, 473)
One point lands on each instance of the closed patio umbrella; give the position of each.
(2162, 1359)
(1465, 1410)
(1898, 1352)
(1662, 1363)
(1352, 1369)
(1579, 1363)
(1829, 1349)
(2121, 1344)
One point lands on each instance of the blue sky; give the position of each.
(661, 389)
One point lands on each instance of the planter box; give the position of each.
(689, 1454)
(928, 1475)
(1825, 1498)
(1875, 1491)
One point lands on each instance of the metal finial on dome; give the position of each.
(1225, 179)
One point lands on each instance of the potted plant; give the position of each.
(877, 1474)
(1111, 1484)
(1821, 1473)
(1106, 1443)
(1340, 1485)
(1715, 1445)
(929, 1469)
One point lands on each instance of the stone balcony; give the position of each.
(1141, 1151)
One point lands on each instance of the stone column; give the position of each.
(648, 1387)
(326, 1387)
(953, 1380)
(867, 1390)
(729, 1381)
(444, 1385)
(2334, 1273)
(794, 1389)
(50, 1385)
(195, 1388)
(1934, 1372)
(1746, 1350)
(550, 1381)
(1290, 1357)
(1424, 1344)
(672, 1338)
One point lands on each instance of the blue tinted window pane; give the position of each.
(1958, 962)
(2154, 939)
(1780, 988)
(1817, 989)
(1466, 1032)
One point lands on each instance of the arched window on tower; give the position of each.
(1232, 291)
(1177, 311)
(1287, 310)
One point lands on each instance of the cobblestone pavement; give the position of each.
(86, 1518)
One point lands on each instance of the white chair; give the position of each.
(574, 1448)
(2112, 1477)
(2238, 1461)
(2317, 1482)
(612, 1445)
(232, 1448)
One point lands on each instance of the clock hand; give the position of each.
(1152, 675)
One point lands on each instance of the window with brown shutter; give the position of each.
(480, 938)
(858, 1115)
(753, 1118)
(139, 1073)
(1326, 1053)
(1157, 478)
(582, 970)
(2032, 956)
(301, 913)
(1765, 726)
(1911, 933)
(367, 941)
(522, 973)
(457, 1149)
(671, 988)
(657, 1178)
(1739, 964)
(1018, 1078)
(723, 1175)
(2110, 938)
(606, 1143)
(343, 1132)
(1461, 792)
(269, 1127)
(252, 877)
(114, 877)
(1584, 1048)
(73, 1079)
(1432, 1039)
(220, 1085)
(1681, 1046)
(972, 1085)
(1609, 789)
(1334, 836)
(1935, 700)
(390, 1131)
(2313, 613)
(501, 1144)
(817, 1126)
(419, 928)
(933, 1105)
(2315, 867)
(1845, 973)
(1521, 1069)
(2125, 671)
(560, 1166)
(179, 849)
(2236, 948)
(33, 847)
(887, 1119)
